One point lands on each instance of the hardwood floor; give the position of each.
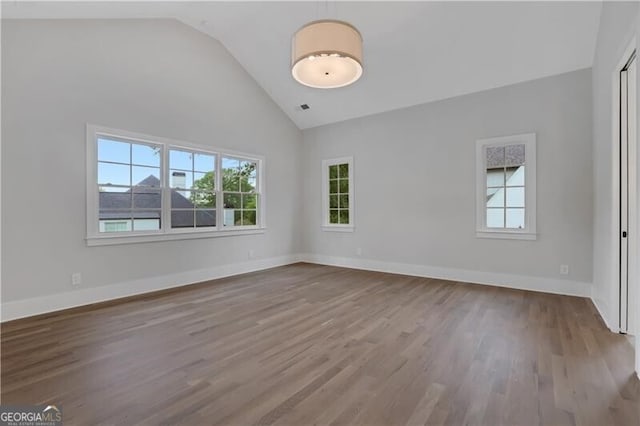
(309, 344)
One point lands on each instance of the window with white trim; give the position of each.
(239, 182)
(142, 188)
(128, 185)
(192, 184)
(337, 177)
(505, 187)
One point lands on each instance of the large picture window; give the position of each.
(505, 184)
(142, 188)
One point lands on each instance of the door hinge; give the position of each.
(624, 234)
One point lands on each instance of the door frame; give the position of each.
(614, 320)
(628, 209)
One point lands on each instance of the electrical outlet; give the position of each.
(359, 251)
(252, 254)
(564, 269)
(76, 279)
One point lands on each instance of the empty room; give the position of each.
(320, 213)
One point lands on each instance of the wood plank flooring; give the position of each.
(309, 344)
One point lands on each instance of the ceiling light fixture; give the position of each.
(326, 54)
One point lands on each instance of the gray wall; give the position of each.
(618, 23)
(415, 168)
(154, 77)
(415, 181)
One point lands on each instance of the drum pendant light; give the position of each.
(326, 54)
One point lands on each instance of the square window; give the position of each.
(495, 218)
(515, 196)
(333, 172)
(249, 201)
(514, 155)
(182, 160)
(496, 199)
(111, 198)
(495, 177)
(146, 198)
(114, 174)
(344, 201)
(147, 220)
(205, 218)
(182, 219)
(181, 179)
(115, 220)
(145, 155)
(515, 218)
(203, 181)
(203, 199)
(344, 186)
(495, 157)
(114, 151)
(334, 216)
(343, 172)
(247, 183)
(145, 176)
(344, 216)
(204, 163)
(232, 200)
(248, 217)
(515, 176)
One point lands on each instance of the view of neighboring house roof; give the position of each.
(146, 201)
(505, 156)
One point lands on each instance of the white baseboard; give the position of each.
(55, 302)
(521, 282)
(44, 304)
(603, 311)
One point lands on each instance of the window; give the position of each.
(239, 182)
(505, 184)
(142, 188)
(192, 183)
(337, 176)
(128, 181)
(115, 225)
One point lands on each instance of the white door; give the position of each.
(628, 197)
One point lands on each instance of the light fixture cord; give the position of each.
(325, 14)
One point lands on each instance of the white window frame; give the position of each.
(529, 230)
(220, 191)
(95, 238)
(337, 227)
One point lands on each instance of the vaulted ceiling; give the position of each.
(414, 52)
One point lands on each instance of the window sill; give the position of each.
(338, 228)
(507, 235)
(108, 240)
